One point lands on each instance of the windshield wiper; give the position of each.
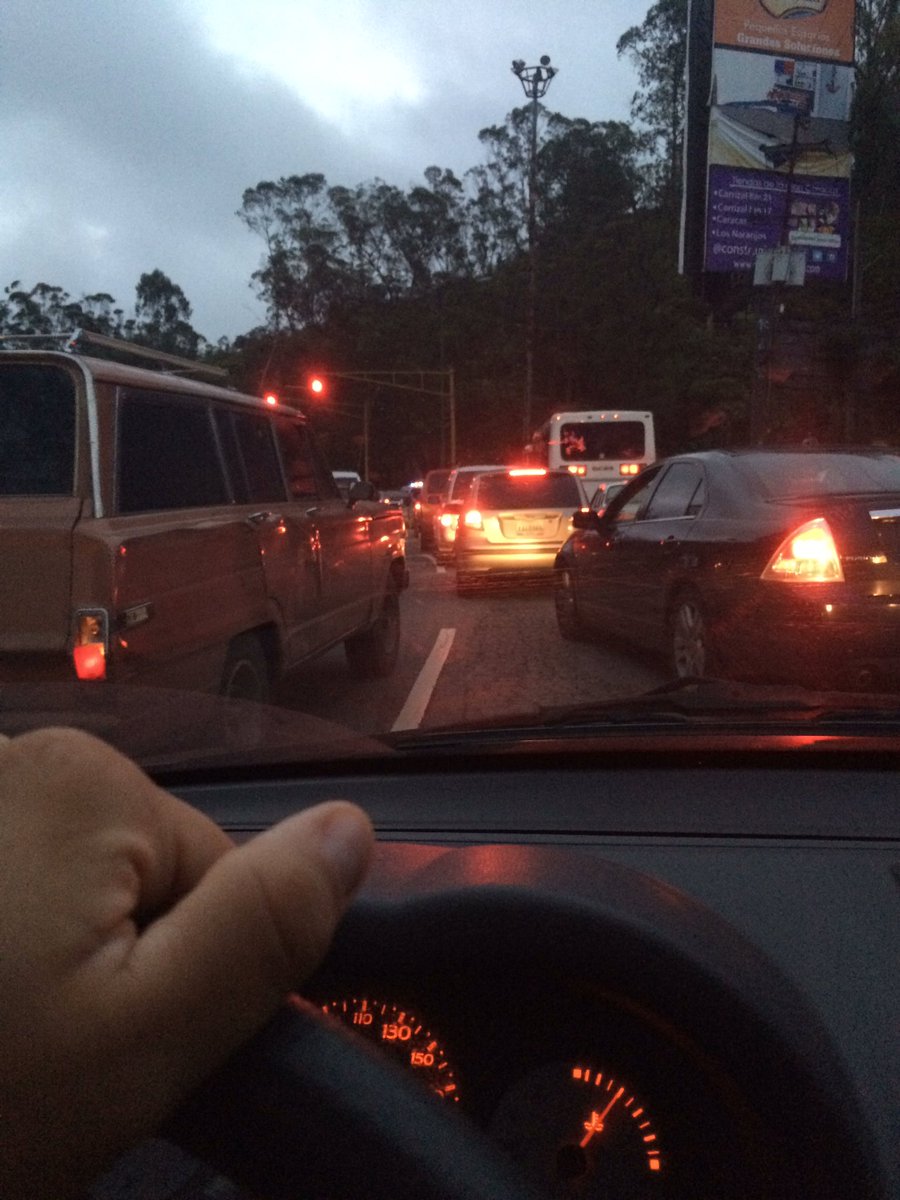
(711, 705)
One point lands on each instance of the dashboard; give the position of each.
(671, 980)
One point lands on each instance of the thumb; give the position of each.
(211, 971)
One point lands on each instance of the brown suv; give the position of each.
(164, 531)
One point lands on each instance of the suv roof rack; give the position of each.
(83, 340)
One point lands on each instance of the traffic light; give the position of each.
(316, 386)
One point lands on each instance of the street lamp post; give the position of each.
(535, 81)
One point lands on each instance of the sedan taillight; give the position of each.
(808, 555)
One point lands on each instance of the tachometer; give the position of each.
(402, 1035)
(584, 1131)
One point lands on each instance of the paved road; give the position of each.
(468, 660)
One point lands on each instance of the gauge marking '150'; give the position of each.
(401, 1035)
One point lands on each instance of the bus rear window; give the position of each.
(588, 441)
(37, 430)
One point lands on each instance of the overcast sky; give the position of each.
(130, 128)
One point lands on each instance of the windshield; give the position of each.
(278, 276)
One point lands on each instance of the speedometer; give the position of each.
(401, 1035)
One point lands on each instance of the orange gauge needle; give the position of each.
(595, 1124)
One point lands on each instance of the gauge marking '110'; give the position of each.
(401, 1035)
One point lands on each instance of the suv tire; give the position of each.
(373, 653)
(247, 674)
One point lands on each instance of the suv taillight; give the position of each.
(90, 643)
(808, 555)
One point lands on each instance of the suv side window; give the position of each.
(167, 454)
(297, 457)
(257, 448)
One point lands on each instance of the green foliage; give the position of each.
(161, 320)
(49, 309)
(658, 50)
(162, 316)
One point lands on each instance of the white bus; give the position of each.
(600, 447)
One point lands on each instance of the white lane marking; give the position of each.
(413, 710)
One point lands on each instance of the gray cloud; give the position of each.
(128, 140)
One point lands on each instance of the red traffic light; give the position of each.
(316, 385)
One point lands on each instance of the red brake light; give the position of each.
(519, 471)
(89, 643)
(473, 519)
(629, 468)
(90, 661)
(271, 399)
(574, 470)
(808, 555)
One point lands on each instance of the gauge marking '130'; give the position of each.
(402, 1035)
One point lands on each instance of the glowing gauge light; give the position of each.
(583, 1131)
(401, 1035)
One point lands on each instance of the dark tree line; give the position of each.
(161, 314)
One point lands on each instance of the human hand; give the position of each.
(138, 948)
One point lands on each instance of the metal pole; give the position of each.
(452, 397)
(366, 403)
(534, 81)
(530, 327)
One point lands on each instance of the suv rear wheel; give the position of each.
(373, 653)
(247, 674)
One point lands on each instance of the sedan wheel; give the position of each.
(690, 642)
(568, 617)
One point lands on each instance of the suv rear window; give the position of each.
(37, 430)
(528, 491)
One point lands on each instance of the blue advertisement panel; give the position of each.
(746, 214)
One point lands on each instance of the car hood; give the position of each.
(169, 730)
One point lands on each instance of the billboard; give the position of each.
(759, 103)
(772, 160)
(749, 211)
(816, 29)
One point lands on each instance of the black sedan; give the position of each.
(766, 563)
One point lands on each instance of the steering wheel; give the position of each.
(308, 1110)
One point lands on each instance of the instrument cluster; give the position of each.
(590, 1095)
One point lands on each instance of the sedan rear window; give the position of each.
(37, 431)
(790, 476)
(528, 491)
